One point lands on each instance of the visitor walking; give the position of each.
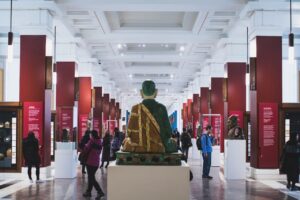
(290, 162)
(93, 149)
(31, 155)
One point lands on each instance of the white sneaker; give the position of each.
(39, 181)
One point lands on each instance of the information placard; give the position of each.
(83, 119)
(66, 119)
(33, 119)
(268, 134)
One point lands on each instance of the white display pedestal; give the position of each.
(235, 159)
(148, 182)
(215, 157)
(65, 160)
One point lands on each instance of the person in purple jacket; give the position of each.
(94, 147)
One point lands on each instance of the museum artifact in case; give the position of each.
(10, 136)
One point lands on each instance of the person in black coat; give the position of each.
(105, 150)
(290, 162)
(31, 155)
(186, 143)
(177, 137)
(84, 140)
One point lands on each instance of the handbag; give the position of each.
(83, 156)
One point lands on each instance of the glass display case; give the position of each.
(10, 137)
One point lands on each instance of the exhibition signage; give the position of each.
(66, 119)
(33, 119)
(83, 119)
(268, 138)
(216, 123)
(96, 125)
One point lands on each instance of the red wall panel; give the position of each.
(65, 87)
(196, 113)
(217, 105)
(32, 68)
(204, 100)
(236, 86)
(112, 109)
(98, 104)
(84, 104)
(105, 110)
(189, 110)
(85, 95)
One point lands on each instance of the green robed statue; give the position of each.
(149, 129)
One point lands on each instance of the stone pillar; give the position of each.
(34, 94)
(266, 97)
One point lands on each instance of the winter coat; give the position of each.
(94, 147)
(290, 161)
(186, 141)
(31, 151)
(106, 148)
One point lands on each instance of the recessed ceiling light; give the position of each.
(120, 46)
(171, 76)
(166, 45)
(144, 45)
(130, 76)
(181, 48)
(122, 54)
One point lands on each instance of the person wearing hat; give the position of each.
(149, 129)
(234, 131)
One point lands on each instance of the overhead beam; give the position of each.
(155, 5)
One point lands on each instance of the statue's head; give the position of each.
(148, 90)
(232, 121)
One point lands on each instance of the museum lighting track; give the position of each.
(291, 39)
(10, 49)
(247, 63)
(54, 75)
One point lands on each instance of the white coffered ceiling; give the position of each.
(169, 41)
(166, 41)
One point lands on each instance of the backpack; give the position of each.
(199, 144)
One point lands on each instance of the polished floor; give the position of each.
(217, 188)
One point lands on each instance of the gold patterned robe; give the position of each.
(143, 132)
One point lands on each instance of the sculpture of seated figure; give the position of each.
(149, 129)
(234, 131)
